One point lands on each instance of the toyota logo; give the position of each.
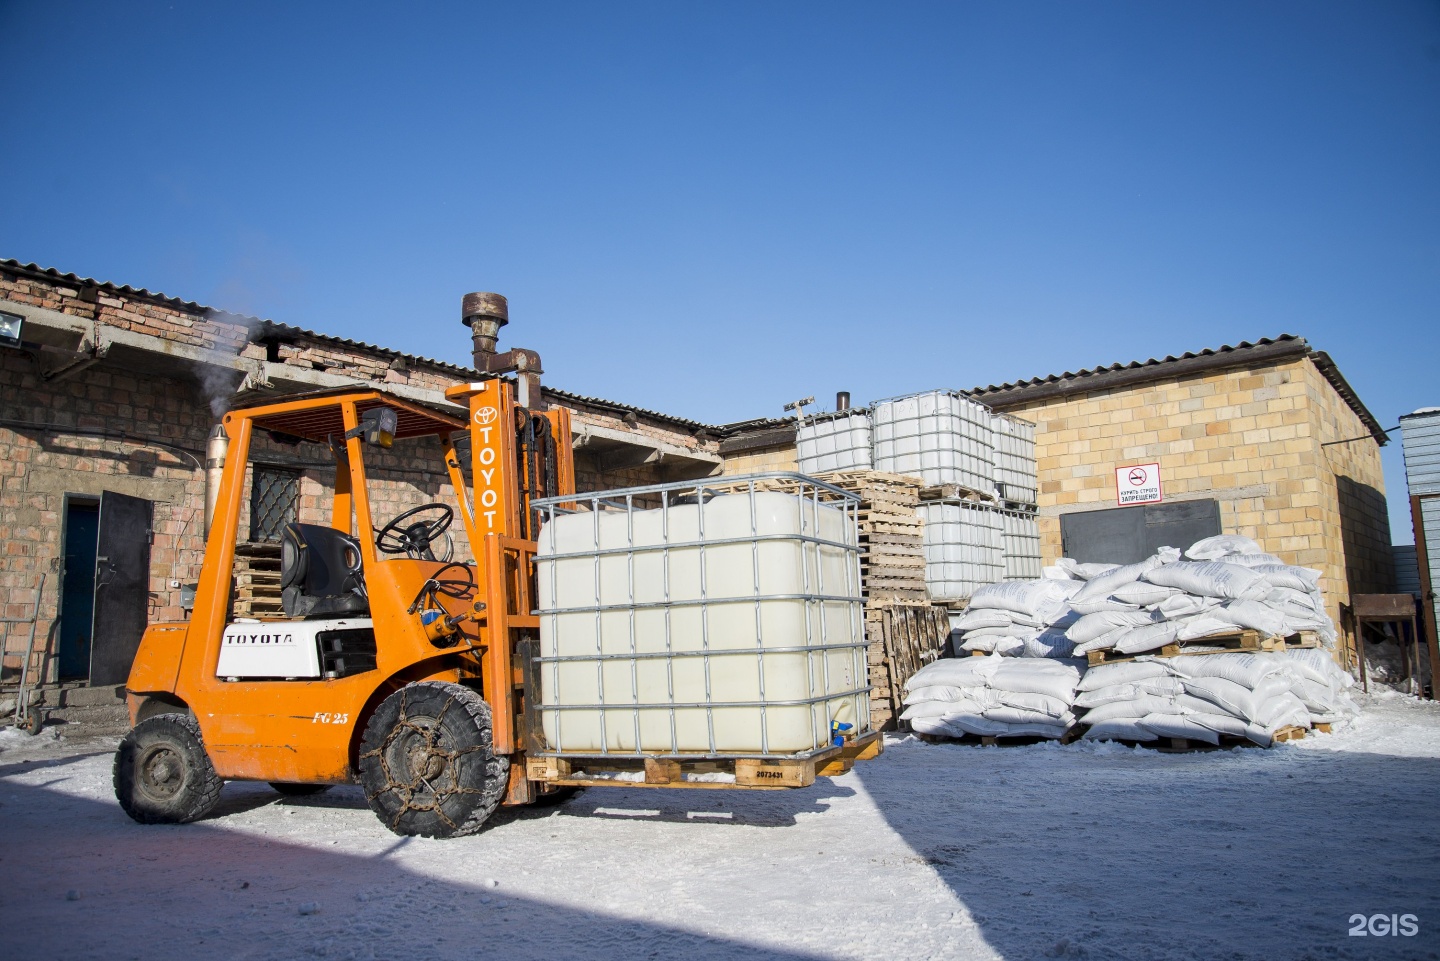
(485, 415)
(1137, 476)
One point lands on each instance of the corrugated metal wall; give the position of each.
(1407, 569)
(1420, 439)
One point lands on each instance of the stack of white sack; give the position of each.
(1227, 584)
(1018, 619)
(1203, 696)
(992, 697)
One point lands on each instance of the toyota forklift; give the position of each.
(389, 662)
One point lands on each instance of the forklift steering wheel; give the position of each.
(414, 539)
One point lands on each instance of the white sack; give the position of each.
(1020, 676)
(1243, 668)
(1042, 600)
(1048, 643)
(973, 620)
(1159, 686)
(1091, 626)
(1103, 585)
(1097, 604)
(1118, 730)
(1052, 707)
(1083, 572)
(1178, 725)
(954, 672)
(1218, 546)
(1018, 715)
(1185, 605)
(1283, 575)
(1252, 705)
(1252, 560)
(1131, 708)
(1147, 638)
(1210, 579)
(1281, 711)
(979, 697)
(993, 644)
(1104, 675)
(1203, 625)
(1143, 593)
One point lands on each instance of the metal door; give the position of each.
(1126, 535)
(122, 586)
(77, 589)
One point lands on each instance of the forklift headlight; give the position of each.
(377, 426)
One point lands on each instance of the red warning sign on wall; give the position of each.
(1138, 484)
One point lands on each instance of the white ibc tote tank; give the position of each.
(729, 629)
(832, 442)
(939, 436)
(1015, 469)
(1022, 545)
(964, 548)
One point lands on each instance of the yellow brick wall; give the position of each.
(762, 461)
(1250, 439)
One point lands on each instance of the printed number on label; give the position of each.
(322, 717)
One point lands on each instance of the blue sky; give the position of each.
(713, 209)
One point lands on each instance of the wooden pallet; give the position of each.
(753, 773)
(255, 588)
(956, 492)
(1001, 740)
(1241, 641)
(1185, 745)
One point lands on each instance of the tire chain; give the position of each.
(406, 790)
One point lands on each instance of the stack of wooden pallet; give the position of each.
(256, 591)
(904, 631)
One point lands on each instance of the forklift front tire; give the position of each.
(162, 773)
(427, 764)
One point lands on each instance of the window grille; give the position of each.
(274, 502)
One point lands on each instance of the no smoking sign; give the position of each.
(1138, 484)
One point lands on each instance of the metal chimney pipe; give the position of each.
(484, 313)
(217, 448)
(842, 400)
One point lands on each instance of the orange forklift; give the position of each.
(391, 665)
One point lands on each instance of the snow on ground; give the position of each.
(932, 851)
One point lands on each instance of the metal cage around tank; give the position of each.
(820, 598)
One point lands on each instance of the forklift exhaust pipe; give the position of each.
(485, 313)
(216, 449)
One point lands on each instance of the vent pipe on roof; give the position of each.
(842, 400)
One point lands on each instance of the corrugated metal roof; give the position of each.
(1266, 349)
(1420, 441)
(1241, 347)
(262, 329)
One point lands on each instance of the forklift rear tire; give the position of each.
(291, 789)
(426, 762)
(162, 773)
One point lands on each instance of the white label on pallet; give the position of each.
(1138, 484)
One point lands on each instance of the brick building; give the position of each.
(1269, 431)
(115, 390)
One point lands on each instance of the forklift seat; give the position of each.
(321, 573)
